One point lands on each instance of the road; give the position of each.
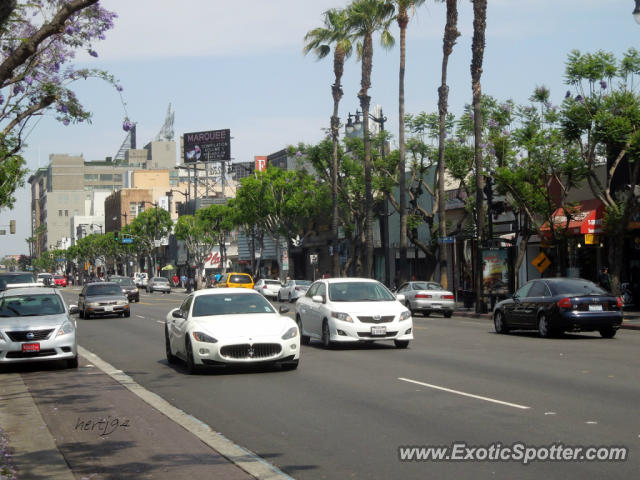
(345, 412)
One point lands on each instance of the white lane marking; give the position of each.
(139, 316)
(591, 422)
(464, 394)
(243, 458)
(160, 321)
(549, 413)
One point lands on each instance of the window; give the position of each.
(133, 208)
(539, 289)
(524, 290)
(59, 213)
(106, 177)
(117, 177)
(91, 177)
(66, 213)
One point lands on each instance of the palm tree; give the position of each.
(365, 17)
(451, 34)
(477, 50)
(319, 41)
(403, 21)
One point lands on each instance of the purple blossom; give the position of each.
(28, 79)
(93, 53)
(127, 125)
(603, 84)
(579, 99)
(18, 88)
(554, 108)
(506, 107)
(69, 30)
(1, 98)
(65, 121)
(62, 108)
(492, 123)
(119, 88)
(568, 94)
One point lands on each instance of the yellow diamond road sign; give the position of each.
(541, 262)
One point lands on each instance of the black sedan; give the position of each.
(556, 305)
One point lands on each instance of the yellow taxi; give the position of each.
(235, 280)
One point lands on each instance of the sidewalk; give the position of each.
(95, 424)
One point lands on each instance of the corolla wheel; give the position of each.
(326, 335)
(498, 323)
(304, 339)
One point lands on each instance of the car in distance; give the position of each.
(98, 299)
(235, 280)
(556, 305)
(268, 288)
(427, 297)
(230, 326)
(36, 325)
(60, 280)
(337, 310)
(158, 284)
(141, 279)
(46, 279)
(293, 289)
(128, 287)
(18, 280)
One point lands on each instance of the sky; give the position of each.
(239, 65)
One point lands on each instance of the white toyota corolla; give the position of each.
(353, 310)
(230, 326)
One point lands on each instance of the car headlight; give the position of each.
(345, 317)
(94, 304)
(65, 329)
(405, 315)
(122, 302)
(291, 333)
(203, 337)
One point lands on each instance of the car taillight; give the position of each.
(298, 288)
(422, 295)
(620, 302)
(448, 297)
(264, 286)
(565, 303)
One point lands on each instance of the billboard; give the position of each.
(207, 146)
(495, 271)
(261, 164)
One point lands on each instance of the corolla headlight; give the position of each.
(345, 317)
(405, 315)
(65, 329)
(203, 337)
(123, 302)
(94, 304)
(291, 333)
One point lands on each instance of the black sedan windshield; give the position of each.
(30, 305)
(359, 292)
(570, 287)
(230, 304)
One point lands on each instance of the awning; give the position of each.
(586, 217)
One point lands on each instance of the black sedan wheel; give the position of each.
(543, 326)
(608, 332)
(498, 323)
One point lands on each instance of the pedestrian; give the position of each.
(604, 280)
(183, 281)
(175, 279)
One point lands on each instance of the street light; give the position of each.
(636, 12)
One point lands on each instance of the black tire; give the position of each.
(290, 299)
(127, 314)
(608, 332)
(86, 315)
(498, 323)
(279, 299)
(401, 343)
(72, 362)
(448, 314)
(191, 365)
(326, 335)
(81, 313)
(304, 339)
(171, 358)
(544, 328)
(425, 313)
(292, 365)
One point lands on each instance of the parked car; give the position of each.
(103, 298)
(18, 280)
(556, 305)
(427, 297)
(60, 280)
(46, 279)
(293, 289)
(36, 325)
(128, 287)
(234, 326)
(159, 284)
(268, 288)
(235, 280)
(353, 310)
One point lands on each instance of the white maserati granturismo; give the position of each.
(220, 326)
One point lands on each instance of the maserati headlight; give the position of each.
(291, 333)
(65, 329)
(203, 337)
(345, 317)
(405, 315)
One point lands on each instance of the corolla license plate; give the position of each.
(595, 308)
(377, 331)
(108, 308)
(30, 347)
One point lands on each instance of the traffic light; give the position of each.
(116, 236)
(12, 226)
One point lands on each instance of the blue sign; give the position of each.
(446, 240)
(127, 240)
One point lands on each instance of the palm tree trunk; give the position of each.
(365, 100)
(451, 34)
(403, 20)
(477, 48)
(336, 89)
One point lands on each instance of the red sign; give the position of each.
(30, 347)
(261, 164)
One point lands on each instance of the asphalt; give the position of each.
(112, 431)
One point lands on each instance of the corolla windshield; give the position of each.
(31, 305)
(359, 292)
(95, 290)
(575, 288)
(230, 304)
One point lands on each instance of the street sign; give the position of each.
(127, 240)
(446, 239)
(541, 262)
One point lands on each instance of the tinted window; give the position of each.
(359, 292)
(107, 289)
(230, 304)
(239, 279)
(18, 278)
(31, 305)
(123, 281)
(524, 290)
(186, 304)
(538, 289)
(313, 289)
(575, 287)
(303, 282)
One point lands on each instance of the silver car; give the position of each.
(159, 284)
(293, 289)
(36, 325)
(427, 297)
